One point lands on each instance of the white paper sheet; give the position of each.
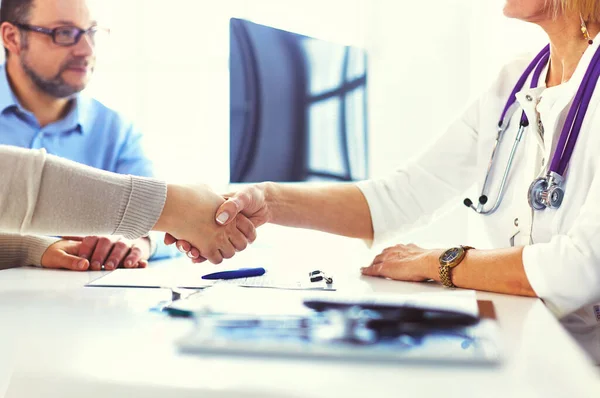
(190, 276)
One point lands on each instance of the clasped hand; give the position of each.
(243, 211)
(189, 216)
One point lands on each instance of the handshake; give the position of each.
(203, 225)
(207, 226)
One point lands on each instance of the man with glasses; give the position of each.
(50, 57)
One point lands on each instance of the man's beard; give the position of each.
(56, 86)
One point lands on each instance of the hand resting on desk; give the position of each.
(75, 253)
(404, 263)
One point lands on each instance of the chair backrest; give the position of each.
(267, 97)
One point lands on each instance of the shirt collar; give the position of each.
(79, 117)
(7, 97)
(81, 113)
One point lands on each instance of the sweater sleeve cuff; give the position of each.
(20, 250)
(35, 247)
(144, 206)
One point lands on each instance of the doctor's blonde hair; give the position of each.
(589, 9)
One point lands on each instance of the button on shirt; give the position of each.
(91, 134)
(562, 246)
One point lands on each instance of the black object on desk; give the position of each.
(388, 314)
(358, 329)
(318, 276)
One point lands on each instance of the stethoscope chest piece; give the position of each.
(546, 192)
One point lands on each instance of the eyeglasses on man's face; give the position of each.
(66, 35)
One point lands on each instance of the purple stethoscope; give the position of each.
(544, 192)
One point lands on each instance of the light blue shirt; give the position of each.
(90, 133)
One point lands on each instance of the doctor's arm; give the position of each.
(564, 272)
(373, 210)
(498, 270)
(338, 208)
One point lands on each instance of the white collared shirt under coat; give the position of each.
(562, 253)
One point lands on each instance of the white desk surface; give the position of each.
(60, 339)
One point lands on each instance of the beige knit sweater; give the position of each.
(46, 195)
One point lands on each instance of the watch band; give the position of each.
(446, 268)
(445, 276)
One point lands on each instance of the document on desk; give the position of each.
(189, 276)
(226, 298)
(262, 323)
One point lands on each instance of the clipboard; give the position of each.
(294, 331)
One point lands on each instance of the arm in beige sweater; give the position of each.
(44, 194)
(19, 250)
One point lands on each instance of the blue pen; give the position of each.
(236, 273)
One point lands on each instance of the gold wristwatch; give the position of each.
(450, 259)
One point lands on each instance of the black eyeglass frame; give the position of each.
(53, 32)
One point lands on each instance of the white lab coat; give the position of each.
(562, 253)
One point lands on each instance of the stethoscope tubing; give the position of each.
(567, 138)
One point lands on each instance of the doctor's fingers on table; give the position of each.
(398, 251)
(402, 262)
(63, 255)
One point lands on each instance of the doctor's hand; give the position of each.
(404, 263)
(250, 201)
(188, 218)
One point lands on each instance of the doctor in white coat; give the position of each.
(551, 249)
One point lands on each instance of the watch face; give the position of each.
(451, 254)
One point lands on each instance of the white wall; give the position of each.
(419, 83)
